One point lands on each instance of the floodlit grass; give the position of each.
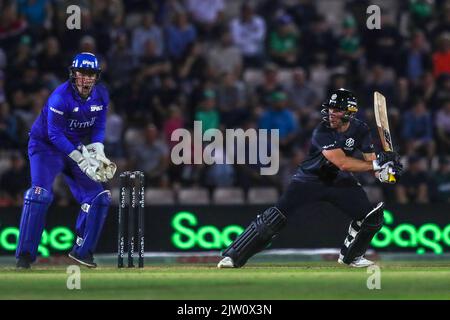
(312, 280)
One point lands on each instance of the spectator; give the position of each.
(164, 96)
(207, 15)
(21, 57)
(147, 31)
(279, 117)
(12, 26)
(152, 66)
(418, 130)
(413, 186)
(443, 128)
(441, 180)
(173, 122)
(319, 39)
(51, 60)
(38, 13)
(283, 42)
(350, 46)
(414, 60)
(302, 97)
(193, 66)
(379, 80)
(113, 134)
(152, 157)
(383, 44)
(121, 62)
(207, 113)
(225, 57)
(441, 57)
(16, 179)
(248, 32)
(2, 87)
(220, 173)
(263, 92)
(232, 101)
(3, 59)
(441, 92)
(8, 128)
(179, 35)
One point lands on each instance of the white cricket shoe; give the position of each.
(226, 262)
(359, 262)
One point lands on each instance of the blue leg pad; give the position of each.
(36, 203)
(90, 224)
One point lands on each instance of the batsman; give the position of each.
(67, 138)
(326, 175)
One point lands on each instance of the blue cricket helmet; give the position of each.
(85, 61)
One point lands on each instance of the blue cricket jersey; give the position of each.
(67, 120)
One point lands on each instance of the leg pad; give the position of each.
(360, 234)
(256, 237)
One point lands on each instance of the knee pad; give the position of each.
(256, 237)
(360, 234)
(35, 206)
(95, 216)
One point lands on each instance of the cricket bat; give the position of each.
(379, 105)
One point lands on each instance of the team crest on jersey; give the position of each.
(75, 109)
(350, 142)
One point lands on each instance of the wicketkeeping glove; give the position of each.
(107, 168)
(86, 164)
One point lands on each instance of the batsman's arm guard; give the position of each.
(256, 237)
(360, 234)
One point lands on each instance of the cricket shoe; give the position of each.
(226, 262)
(87, 261)
(359, 262)
(24, 262)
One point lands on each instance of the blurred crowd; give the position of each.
(232, 64)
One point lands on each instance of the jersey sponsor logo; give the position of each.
(88, 63)
(56, 111)
(328, 146)
(96, 108)
(75, 124)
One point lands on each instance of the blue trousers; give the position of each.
(46, 163)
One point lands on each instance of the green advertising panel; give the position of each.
(415, 228)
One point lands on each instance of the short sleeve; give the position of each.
(366, 141)
(324, 140)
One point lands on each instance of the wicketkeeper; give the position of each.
(326, 175)
(67, 138)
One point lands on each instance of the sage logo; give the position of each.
(428, 236)
(188, 235)
(57, 239)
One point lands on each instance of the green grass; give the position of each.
(312, 280)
